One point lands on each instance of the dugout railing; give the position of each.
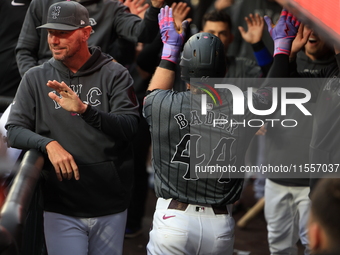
(21, 214)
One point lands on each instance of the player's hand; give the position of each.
(62, 161)
(68, 99)
(179, 12)
(286, 27)
(222, 4)
(170, 35)
(136, 6)
(255, 24)
(172, 38)
(300, 40)
(284, 32)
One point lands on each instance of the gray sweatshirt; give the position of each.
(99, 141)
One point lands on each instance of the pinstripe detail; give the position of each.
(160, 108)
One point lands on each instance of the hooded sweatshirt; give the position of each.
(12, 14)
(99, 141)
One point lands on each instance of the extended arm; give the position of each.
(149, 58)
(172, 42)
(24, 132)
(299, 41)
(121, 123)
(62, 161)
(139, 30)
(137, 7)
(253, 35)
(283, 35)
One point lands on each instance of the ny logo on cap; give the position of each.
(56, 11)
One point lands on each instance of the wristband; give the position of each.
(262, 55)
(88, 108)
(167, 65)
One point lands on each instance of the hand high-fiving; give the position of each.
(284, 32)
(172, 38)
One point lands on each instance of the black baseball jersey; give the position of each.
(291, 145)
(324, 146)
(186, 144)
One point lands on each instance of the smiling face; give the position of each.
(316, 47)
(64, 45)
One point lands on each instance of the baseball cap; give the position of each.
(67, 15)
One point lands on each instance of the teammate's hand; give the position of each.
(300, 40)
(172, 38)
(179, 12)
(170, 35)
(284, 32)
(137, 7)
(222, 4)
(68, 99)
(62, 161)
(255, 24)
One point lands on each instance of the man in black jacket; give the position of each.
(83, 121)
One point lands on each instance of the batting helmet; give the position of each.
(203, 55)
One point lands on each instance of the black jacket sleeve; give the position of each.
(263, 57)
(149, 26)
(123, 126)
(23, 138)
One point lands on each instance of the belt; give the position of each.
(174, 204)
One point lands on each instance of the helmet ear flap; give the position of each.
(203, 55)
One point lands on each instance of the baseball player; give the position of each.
(324, 144)
(287, 199)
(193, 211)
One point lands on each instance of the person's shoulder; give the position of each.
(159, 93)
(158, 97)
(39, 69)
(168, 93)
(105, 59)
(115, 67)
